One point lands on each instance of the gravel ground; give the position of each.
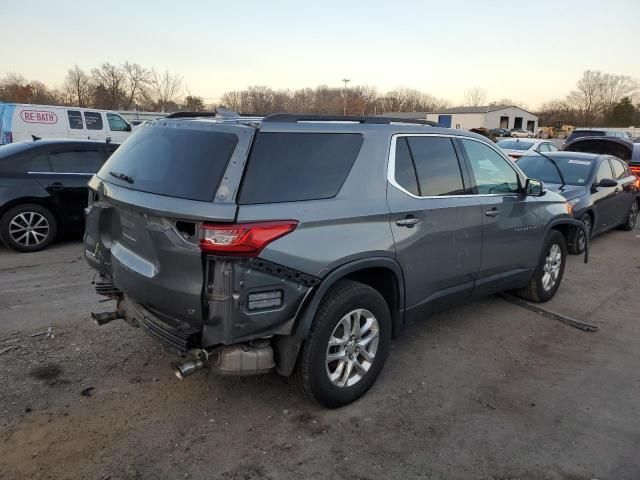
(486, 391)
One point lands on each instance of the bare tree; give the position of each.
(475, 96)
(109, 80)
(613, 88)
(163, 89)
(78, 87)
(587, 97)
(136, 78)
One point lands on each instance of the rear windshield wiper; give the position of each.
(122, 176)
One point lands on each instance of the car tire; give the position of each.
(28, 228)
(632, 216)
(578, 243)
(552, 262)
(335, 375)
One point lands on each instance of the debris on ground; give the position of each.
(87, 392)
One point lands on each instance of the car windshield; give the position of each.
(575, 171)
(515, 144)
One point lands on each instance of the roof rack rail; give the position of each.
(292, 118)
(190, 114)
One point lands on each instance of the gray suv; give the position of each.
(304, 243)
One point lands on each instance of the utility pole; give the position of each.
(344, 107)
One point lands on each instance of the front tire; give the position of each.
(28, 228)
(548, 274)
(347, 346)
(632, 217)
(579, 240)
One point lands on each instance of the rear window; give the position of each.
(175, 162)
(515, 144)
(289, 167)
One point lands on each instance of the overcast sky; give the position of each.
(527, 50)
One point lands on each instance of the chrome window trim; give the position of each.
(59, 173)
(391, 166)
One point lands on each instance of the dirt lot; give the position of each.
(487, 391)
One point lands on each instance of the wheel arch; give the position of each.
(381, 273)
(43, 202)
(565, 226)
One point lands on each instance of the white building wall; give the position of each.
(492, 119)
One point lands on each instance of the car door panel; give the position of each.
(604, 198)
(511, 236)
(437, 237)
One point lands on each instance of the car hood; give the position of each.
(567, 191)
(618, 147)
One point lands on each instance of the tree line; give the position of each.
(598, 98)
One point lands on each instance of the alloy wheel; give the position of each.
(29, 229)
(352, 347)
(633, 214)
(551, 268)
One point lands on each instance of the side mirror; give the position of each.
(607, 183)
(534, 188)
(128, 129)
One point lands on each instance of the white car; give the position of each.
(517, 148)
(520, 132)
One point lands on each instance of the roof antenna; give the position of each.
(35, 139)
(108, 141)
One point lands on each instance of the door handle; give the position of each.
(407, 222)
(494, 212)
(55, 186)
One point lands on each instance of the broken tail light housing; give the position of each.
(242, 239)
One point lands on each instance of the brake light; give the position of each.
(242, 239)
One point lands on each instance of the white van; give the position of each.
(19, 122)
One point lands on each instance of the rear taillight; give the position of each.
(242, 239)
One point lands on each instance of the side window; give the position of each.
(604, 171)
(543, 147)
(291, 167)
(117, 123)
(618, 169)
(93, 120)
(75, 120)
(492, 173)
(405, 172)
(76, 161)
(25, 163)
(552, 147)
(436, 165)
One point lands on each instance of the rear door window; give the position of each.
(34, 162)
(177, 162)
(289, 167)
(405, 171)
(436, 165)
(76, 161)
(75, 120)
(93, 120)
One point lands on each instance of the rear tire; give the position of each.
(323, 372)
(28, 228)
(548, 274)
(632, 217)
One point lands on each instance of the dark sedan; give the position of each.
(601, 189)
(43, 189)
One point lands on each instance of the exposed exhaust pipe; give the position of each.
(196, 359)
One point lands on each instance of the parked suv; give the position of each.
(303, 243)
(43, 189)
